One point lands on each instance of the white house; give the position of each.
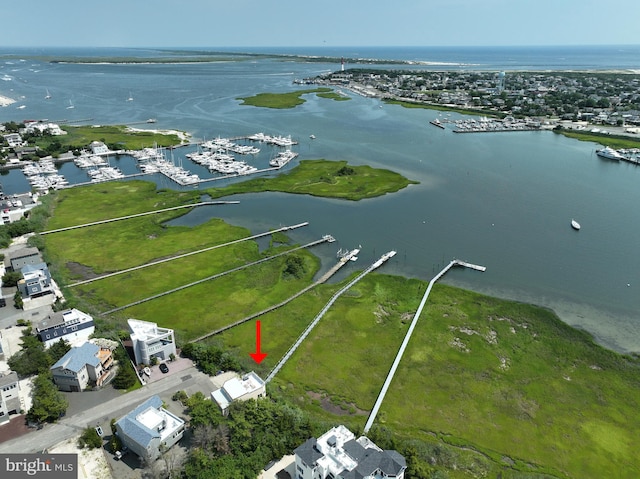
(72, 325)
(337, 454)
(150, 429)
(13, 139)
(249, 386)
(99, 148)
(149, 341)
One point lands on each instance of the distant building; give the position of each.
(99, 148)
(9, 395)
(42, 127)
(150, 429)
(249, 386)
(24, 257)
(72, 325)
(13, 139)
(337, 454)
(151, 341)
(82, 366)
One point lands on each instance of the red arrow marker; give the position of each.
(258, 356)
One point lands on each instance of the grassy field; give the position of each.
(434, 106)
(506, 386)
(330, 179)
(289, 99)
(82, 136)
(614, 141)
(506, 379)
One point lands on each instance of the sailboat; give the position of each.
(48, 95)
(130, 97)
(70, 107)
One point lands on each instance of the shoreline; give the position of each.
(182, 135)
(6, 101)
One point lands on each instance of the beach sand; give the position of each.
(91, 462)
(6, 101)
(183, 135)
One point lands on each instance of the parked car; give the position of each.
(164, 368)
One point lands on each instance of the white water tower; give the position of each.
(501, 77)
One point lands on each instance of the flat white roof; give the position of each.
(238, 387)
(151, 418)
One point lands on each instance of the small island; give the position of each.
(290, 99)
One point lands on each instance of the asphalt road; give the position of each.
(188, 379)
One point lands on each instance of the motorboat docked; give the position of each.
(575, 225)
(609, 153)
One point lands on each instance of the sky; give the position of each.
(245, 23)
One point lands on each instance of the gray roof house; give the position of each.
(9, 395)
(72, 325)
(81, 366)
(338, 454)
(150, 429)
(23, 257)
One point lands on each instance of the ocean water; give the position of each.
(501, 200)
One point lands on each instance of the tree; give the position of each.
(10, 278)
(90, 439)
(58, 349)
(126, 376)
(32, 358)
(48, 403)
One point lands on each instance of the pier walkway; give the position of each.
(190, 253)
(324, 239)
(344, 260)
(405, 342)
(137, 215)
(324, 310)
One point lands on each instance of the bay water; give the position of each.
(502, 200)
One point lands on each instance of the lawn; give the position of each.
(329, 179)
(114, 135)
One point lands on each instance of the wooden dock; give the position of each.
(405, 342)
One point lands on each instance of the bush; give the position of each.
(89, 439)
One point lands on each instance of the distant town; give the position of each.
(599, 98)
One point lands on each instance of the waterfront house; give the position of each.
(249, 386)
(13, 139)
(9, 395)
(99, 148)
(337, 454)
(72, 325)
(151, 341)
(36, 281)
(150, 429)
(82, 366)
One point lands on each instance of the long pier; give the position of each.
(321, 280)
(137, 215)
(324, 310)
(324, 239)
(407, 337)
(190, 253)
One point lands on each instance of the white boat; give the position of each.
(48, 95)
(609, 153)
(130, 97)
(575, 225)
(313, 137)
(70, 107)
